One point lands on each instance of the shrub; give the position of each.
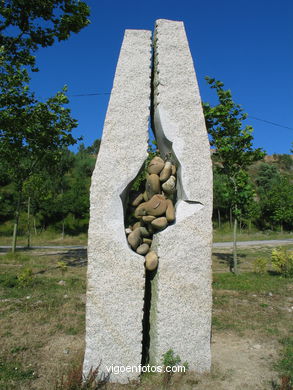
(260, 265)
(171, 360)
(74, 380)
(282, 261)
(63, 266)
(25, 278)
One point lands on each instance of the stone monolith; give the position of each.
(181, 290)
(115, 290)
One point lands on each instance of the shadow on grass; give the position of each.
(227, 258)
(72, 258)
(75, 257)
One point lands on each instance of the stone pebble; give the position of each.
(169, 187)
(170, 211)
(137, 200)
(160, 223)
(154, 209)
(134, 238)
(143, 249)
(151, 261)
(156, 165)
(152, 186)
(156, 206)
(166, 171)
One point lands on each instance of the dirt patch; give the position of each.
(242, 363)
(56, 358)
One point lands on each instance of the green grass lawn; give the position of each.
(45, 238)
(226, 235)
(53, 238)
(42, 320)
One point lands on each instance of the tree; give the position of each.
(234, 150)
(32, 133)
(25, 25)
(265, 175)
(276, 201)
(32, 136)
(221, 194)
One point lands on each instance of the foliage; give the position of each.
(172, 360)
(224, 122)
(59, 201)
(33, 133)
(276, 202)
(62, 266)
(25, 278)
(26, 25)
(234, 151)
(221, 193)
(260, 265)
(282, 261)
(285, 161)
(266, 174)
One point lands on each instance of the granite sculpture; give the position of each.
(149, 281)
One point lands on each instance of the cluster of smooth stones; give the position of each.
(154, 209)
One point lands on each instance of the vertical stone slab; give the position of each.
(115, 289)
(181, 291)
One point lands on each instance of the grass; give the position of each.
(252, 282)
(48, 237)
(226, 234)
(35, 316)
(285, 364)
(259, 303)
(45, 238)
(42, 319)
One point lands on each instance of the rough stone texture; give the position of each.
(115, 290)
(181, 290)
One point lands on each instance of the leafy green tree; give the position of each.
(276, 203)
(265, 175)
(32, 133)
(32, 137)
(94, 148)
(26, 25)
(234, 150)
(248, 209)
(221, 194)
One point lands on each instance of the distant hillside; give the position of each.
(284, 163)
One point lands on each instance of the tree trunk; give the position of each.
(235, 266)
(230, 218)
(219, 218)
(63, 229)
(28, 222)
(16, 220)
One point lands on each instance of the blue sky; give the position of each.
(246, 44)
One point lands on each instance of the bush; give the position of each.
(260, 265)
(25, 278)
(282, 262)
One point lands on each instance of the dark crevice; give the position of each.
(149, 276)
